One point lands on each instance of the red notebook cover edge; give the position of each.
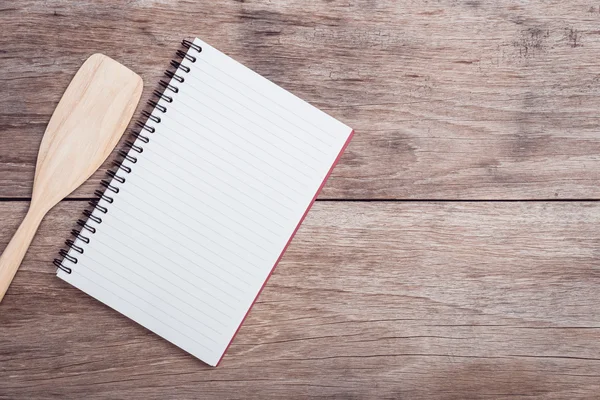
(337, 159)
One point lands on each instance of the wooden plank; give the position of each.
(450, 99)
(372, 300)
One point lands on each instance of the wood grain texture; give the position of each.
(450, 99)
(372, 300)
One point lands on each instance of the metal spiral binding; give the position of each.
(141, 134)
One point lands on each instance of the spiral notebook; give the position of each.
(208, 196)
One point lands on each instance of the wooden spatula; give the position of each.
(85, 127)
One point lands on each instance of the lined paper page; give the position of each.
(210, 204)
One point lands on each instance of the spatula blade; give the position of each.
(87, 124)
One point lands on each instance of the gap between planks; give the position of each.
(333, 200)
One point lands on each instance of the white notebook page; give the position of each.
(209, 206)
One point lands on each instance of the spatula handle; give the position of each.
(16, 249)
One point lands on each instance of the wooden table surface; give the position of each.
(454, 253)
